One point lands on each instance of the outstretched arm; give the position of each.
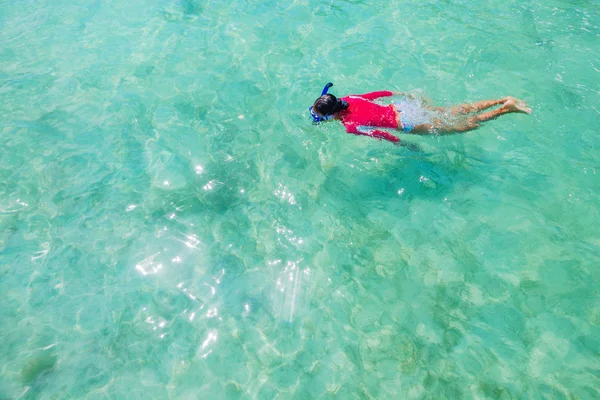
(375, 95)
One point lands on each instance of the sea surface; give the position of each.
(172, 226)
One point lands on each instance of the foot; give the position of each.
(515, 105)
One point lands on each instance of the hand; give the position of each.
(410, 146)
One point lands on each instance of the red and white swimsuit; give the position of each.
(363, 114)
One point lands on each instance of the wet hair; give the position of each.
(329, 104)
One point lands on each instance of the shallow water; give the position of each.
(172, 225)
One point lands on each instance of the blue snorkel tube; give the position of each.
(315, 117)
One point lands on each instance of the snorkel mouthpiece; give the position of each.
(315, 117)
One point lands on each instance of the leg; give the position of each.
(511, 105)
(475, 107)
(440, 128)
(468, 108)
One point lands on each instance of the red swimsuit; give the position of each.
(362, 114)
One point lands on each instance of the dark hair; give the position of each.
(329, 104)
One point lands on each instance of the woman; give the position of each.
(360, 115)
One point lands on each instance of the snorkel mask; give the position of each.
(316, 118)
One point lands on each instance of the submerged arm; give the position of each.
(374, 133)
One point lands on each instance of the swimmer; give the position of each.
(361, 116)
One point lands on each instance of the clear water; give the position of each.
(172, 226)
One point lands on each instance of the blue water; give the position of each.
(173, 226)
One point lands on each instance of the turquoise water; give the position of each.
(172, 226)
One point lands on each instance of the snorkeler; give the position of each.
(361, 116)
